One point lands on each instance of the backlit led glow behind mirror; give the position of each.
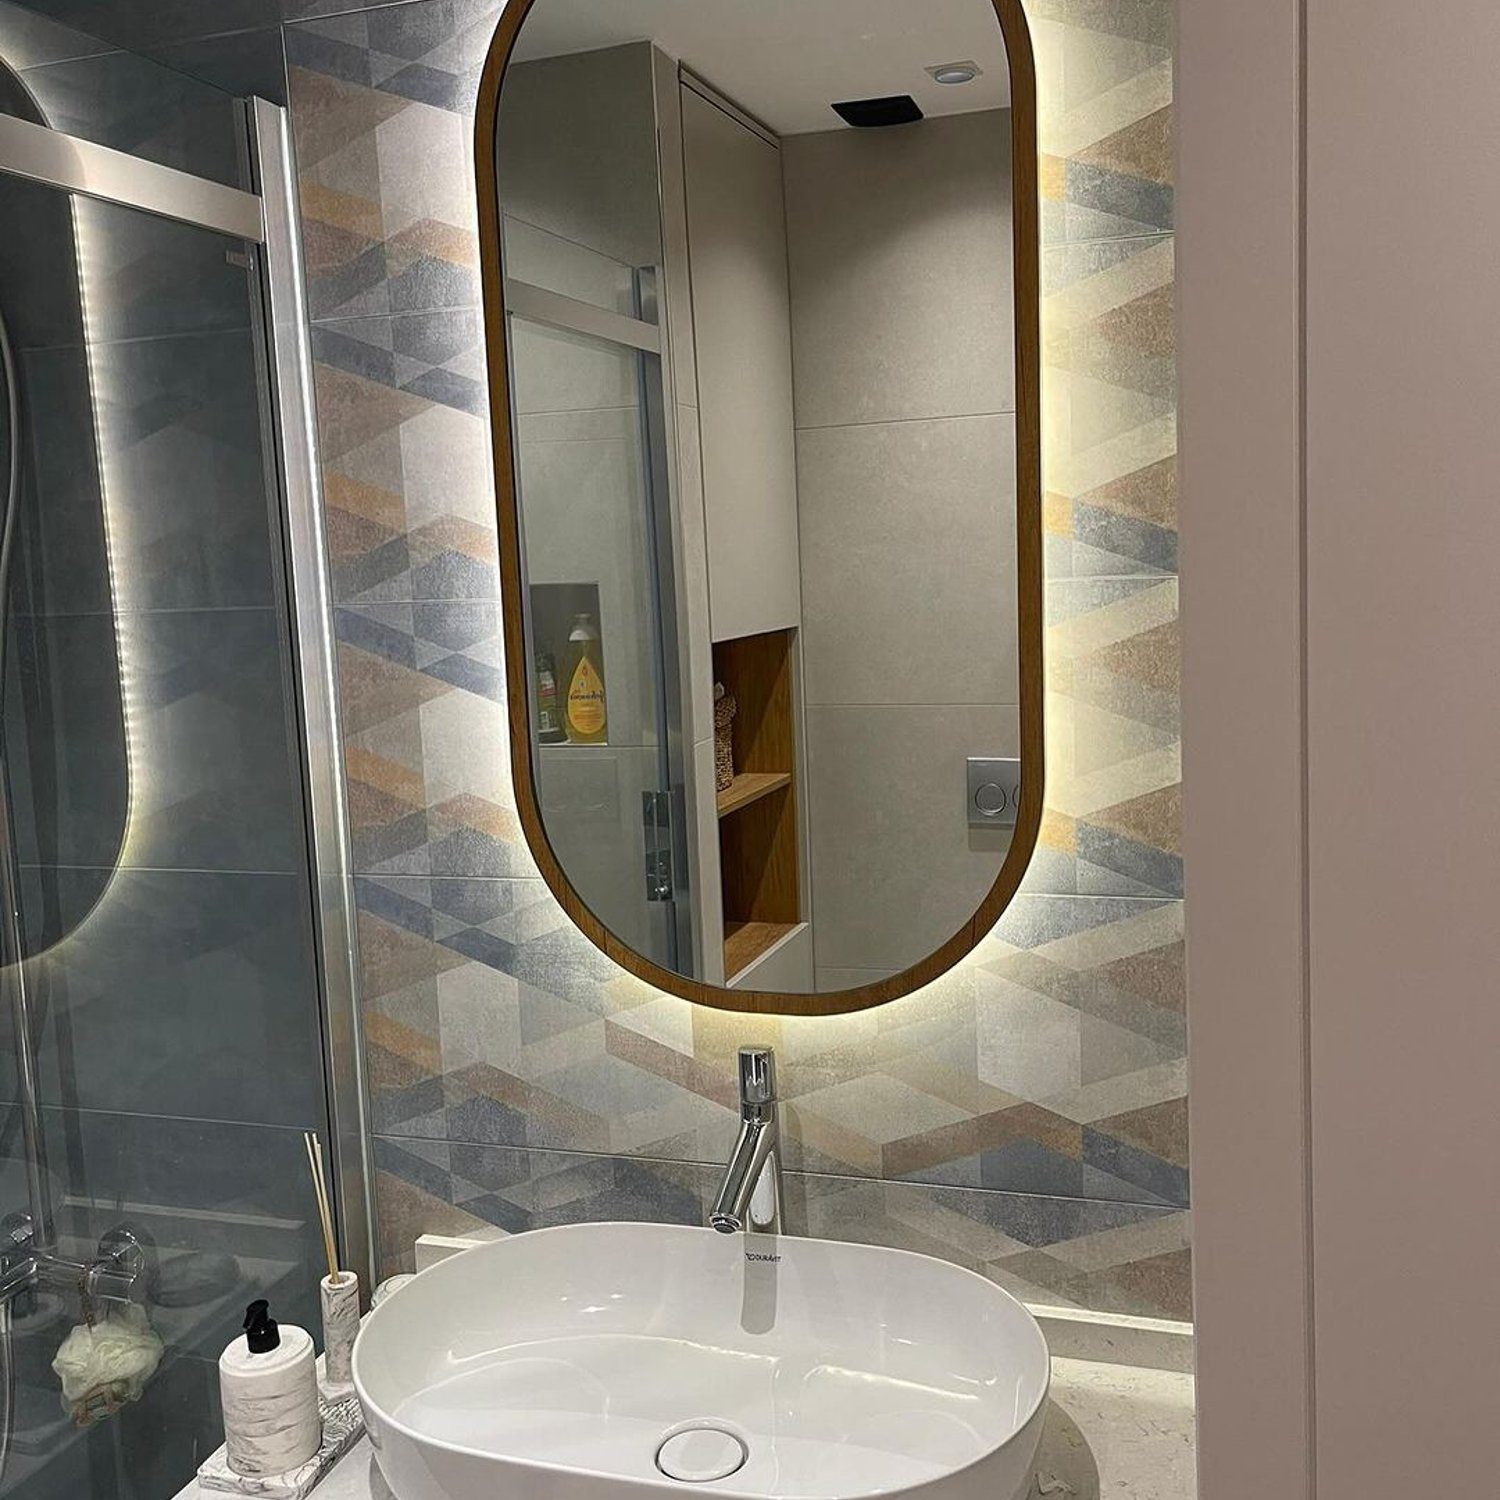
(761, 304)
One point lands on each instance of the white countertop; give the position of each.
(353, 1477)
(1117, 1430)
(1111, 1430)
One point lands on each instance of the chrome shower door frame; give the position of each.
(679, 929)
(267, 221)
(292, 417)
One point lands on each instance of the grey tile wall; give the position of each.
(120, 98)
(1026, 1115)
(230, 46)
(1046, 1080)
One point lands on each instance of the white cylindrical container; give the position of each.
(340, 1325)
(268, 1385)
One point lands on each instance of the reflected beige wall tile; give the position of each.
(895, 777)
(909, 588)
(914, 223)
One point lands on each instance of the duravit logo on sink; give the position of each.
(761, 1255)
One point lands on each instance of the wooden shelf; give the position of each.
(758, 831)
(751, 786)
(744, 942)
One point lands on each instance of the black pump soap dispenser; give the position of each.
(262, 1332)
(268, 1388)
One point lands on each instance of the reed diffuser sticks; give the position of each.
(325, 1210)
(338, 1291)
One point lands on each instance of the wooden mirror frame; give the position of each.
(1025, 194)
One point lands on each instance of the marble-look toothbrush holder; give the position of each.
(340, 1297)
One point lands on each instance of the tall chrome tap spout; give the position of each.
(749, 1197)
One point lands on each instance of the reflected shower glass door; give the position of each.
(152, 760)
(592, 481)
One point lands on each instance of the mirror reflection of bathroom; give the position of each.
(759, 285)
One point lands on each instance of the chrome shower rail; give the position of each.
(41, 154)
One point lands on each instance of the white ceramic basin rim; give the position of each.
(557, 1363)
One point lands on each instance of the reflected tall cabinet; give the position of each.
(732, 255)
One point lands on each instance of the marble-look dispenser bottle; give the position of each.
(268, 1386)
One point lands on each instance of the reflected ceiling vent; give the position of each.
(900, 109)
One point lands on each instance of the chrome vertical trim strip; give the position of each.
(75, 165)
(312, 619)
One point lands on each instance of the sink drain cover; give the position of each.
(701, 1454)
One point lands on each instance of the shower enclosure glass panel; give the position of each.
(152, 757)
(589, 463)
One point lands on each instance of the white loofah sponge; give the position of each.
(104, 1366)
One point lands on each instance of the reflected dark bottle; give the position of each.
(586, 715)
(549, 727)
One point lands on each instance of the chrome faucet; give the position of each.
(116, 1273)
(750, 1194)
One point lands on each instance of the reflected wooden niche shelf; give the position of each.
(758, 839)
(751, 786)
(744, 942)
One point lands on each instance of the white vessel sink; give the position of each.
(597, 1361)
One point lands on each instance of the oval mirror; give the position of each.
(761, 300)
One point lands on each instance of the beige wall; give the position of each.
(1403, 652)
(905, 408)
(1341, 819)
(1240, 358)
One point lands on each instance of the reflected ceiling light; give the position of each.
(956, 72)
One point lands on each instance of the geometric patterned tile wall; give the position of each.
(1026, 1114)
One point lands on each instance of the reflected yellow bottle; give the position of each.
(585, 710)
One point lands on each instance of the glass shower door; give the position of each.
(152, 762)
(592, 483)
